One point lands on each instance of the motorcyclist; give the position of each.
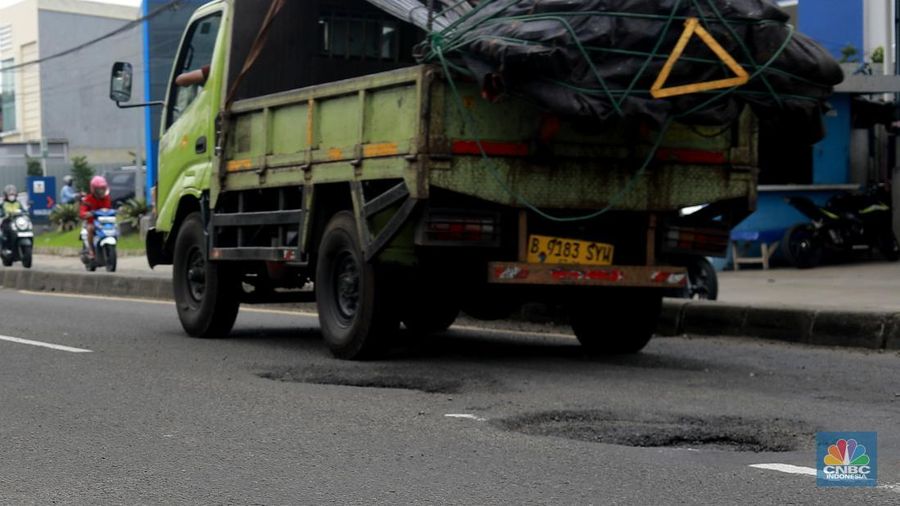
(11, 207)
(98, 198)
(68, 195)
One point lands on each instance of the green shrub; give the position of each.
(82, 172)
(33, 166)
(131, 211)
(65, 216)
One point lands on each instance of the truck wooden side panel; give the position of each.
(408, 124)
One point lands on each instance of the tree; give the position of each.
(34, 166)
(849, 54)
(878, 55)
(82, 172)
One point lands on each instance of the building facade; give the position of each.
(59, 107)
(860, 147)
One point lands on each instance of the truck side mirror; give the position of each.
(120, 82)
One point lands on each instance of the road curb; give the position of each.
(857, 329)
(61, 251)
(99, 283)
(892, 332)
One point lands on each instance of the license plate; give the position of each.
(555, 250)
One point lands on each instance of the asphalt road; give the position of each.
(150, 416)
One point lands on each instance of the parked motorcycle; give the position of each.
(17, 238)
(106, 237)
(847, 223)
(702, 282)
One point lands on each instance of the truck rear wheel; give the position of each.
(206, 293)
(615, 324)
(429, 317)
(357, 310)
(431, 302)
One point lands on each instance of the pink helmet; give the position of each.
(99, 183)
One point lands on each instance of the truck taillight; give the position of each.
(710, 242)
(450, 229)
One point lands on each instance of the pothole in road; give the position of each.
(716, 432)
(366, 378)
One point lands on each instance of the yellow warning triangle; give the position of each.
(692, 26)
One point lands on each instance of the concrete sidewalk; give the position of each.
(840, 305)
(867, 286)
(845, 305)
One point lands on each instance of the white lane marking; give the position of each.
(313, 314)
(98, 297)
(786, 468)
(473, 328)
(44, 345)
(156, 301)
(470, 328)
(465, 416)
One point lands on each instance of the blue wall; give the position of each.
(832, 23)
(831, 156)
(162, 34)
(835, 24)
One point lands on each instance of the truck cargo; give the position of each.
(317, 152)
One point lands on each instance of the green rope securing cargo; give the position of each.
(480, 34)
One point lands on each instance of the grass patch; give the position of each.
(69, 239)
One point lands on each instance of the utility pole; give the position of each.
(44, 153)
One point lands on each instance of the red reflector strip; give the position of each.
(668, 278)
(490, 148)
(612, 275)
(698, 156)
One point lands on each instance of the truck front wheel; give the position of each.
(357, 310)
(206, 293)
(616, 324)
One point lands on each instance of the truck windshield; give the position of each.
(195, 53)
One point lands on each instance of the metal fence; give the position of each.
(16, 174)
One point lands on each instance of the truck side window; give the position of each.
(196, 51)
(358, 37)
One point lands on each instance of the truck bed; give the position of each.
(408, 124)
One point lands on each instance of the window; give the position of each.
(357, 37)
(6, 38)
(196, 53)
(7, 97)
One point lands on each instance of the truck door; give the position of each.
(187, 142)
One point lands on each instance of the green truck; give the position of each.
(316, 153)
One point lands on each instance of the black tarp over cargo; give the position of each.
(599, 59)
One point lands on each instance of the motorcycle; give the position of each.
(18, 239)
(702, 280)
(847, 223)
(106, 236)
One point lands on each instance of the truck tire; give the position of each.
(357, 309)
(616, 324)
(206, 293)
(429, 318)
(431, 303)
